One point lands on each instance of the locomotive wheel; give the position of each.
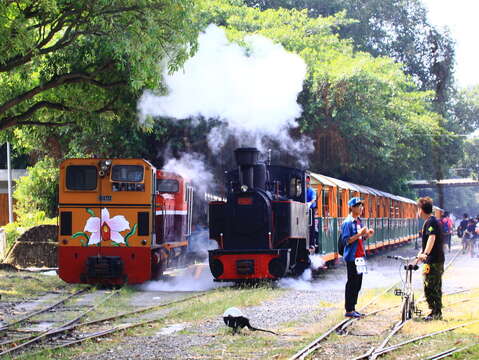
(157, 270)
(159, 266)
(301, 265)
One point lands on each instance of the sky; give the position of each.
(461, 17)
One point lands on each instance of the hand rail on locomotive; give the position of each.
(408, 308)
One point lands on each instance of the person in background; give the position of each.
(469, 237)
(352, 235)
(447, 228)
(462, 228)
(432, 255)
(311, 201)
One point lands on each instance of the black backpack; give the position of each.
(340, 245)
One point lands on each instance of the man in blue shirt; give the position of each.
(352, 235)
(311, 201)
(310, 194)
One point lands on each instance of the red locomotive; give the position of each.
(121, 220)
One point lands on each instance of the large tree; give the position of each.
(358, 108)
(399, 29)
(65, 62)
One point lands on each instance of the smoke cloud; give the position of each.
(194, 278)
(252, 90)
(193, 169)
(199, 243)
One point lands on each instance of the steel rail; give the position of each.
(397, 346)
(314, 345)
(112, 330)
(67, 328)
(341, 326)
(120, 327)
(375, 352)
(399, 325)
(37, 337)
(34, 313)
(447, 353)
(342, 329)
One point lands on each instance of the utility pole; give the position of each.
(9, 177)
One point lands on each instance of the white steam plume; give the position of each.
(194, 278)
(192, 167)
(253, 91)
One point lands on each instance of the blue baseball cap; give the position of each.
(354, 201)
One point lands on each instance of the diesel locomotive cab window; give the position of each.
(167, 186)
(81, 177)
(130, 173)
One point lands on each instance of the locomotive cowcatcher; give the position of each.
(262, 228)
(121, 220)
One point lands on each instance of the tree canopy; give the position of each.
(359, 109)
(378, 99)
(73, 62)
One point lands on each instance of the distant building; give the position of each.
(16, 173)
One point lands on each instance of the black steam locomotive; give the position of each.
(263, 228)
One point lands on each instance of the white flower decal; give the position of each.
(105, 229)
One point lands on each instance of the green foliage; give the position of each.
(359, 109)
(36, 194)
(13, 232)
(77, 62)
(394, 28)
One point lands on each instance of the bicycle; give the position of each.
(408, 308)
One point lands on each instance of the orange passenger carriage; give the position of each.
(121, 220)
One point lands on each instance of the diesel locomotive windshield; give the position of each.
(129, 173)
(167, 186)
(81, 177)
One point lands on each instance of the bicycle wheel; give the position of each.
(412, 307)
(405, 309)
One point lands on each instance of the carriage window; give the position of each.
(81, 177)
(340, 203)
(167, 186)
(132, 173)
(325, 202)
(295, 187)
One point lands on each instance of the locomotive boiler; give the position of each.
(262, 228)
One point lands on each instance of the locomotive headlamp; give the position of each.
(244, 188)
(104, 167)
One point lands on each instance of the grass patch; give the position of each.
(218, 301)
(210, 306)
(21, 285)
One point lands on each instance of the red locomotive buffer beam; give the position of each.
(234, 265)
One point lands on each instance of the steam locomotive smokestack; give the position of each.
(246, 158)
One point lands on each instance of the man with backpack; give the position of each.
(446, 224)
(352, 236)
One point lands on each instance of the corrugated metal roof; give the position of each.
(329, 181)
(343, 184)
(321, 179)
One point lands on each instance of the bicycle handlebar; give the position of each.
(405, 259)
(397, 257)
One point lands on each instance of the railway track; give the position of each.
(341, 327)
(69, 333)
(74, 331)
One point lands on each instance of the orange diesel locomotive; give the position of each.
(121, 220)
